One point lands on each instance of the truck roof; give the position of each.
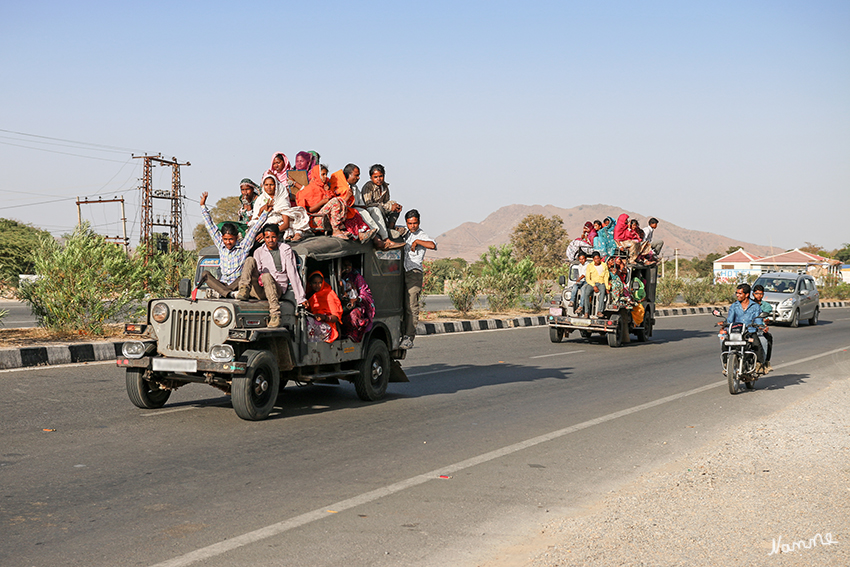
(316, 247)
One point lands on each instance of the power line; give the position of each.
(63, 145)
(73, 141)
(63, 153)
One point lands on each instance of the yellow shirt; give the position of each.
(598, 275)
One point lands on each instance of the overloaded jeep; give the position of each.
(616, 323)
(200, 337)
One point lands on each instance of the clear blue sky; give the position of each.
(729, 117)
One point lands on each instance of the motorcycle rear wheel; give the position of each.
(732, 376)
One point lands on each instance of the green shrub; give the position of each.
(83, 283)
(696, 291)
(437, 272)
(504, 291)
(667, 290)
(722, 293)
(835, 292)
(463, 292)
(539, 295)
(17, 242)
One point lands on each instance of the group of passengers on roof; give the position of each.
(609, 238)
(606, 274)
(292, 204)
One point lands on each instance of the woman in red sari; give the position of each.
(326, 310)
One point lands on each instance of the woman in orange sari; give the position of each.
(326, 310)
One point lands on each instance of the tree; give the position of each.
(17, 242)
(812, 248)
(542, 240)
(843, 253)
(731, 249)
(226, 209)
(705, 267)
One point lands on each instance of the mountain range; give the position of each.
(470, 240)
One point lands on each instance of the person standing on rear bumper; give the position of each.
(416, 242)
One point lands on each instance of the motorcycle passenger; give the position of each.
(746, 312)
(764, 335)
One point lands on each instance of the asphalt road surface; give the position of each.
(496, 433)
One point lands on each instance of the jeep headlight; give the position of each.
(568, 294)
(133, 349)
(159, 312)
(222, 316)
(221, 353)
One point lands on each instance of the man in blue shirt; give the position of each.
(746, 311)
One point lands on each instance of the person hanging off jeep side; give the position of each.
(416, 242)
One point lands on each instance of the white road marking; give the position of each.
(556, 354)
(440, 371)
(51, 366)
(150, 414)
(278, 528)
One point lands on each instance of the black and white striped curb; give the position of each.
(51, 355)
(58, 354)
(490, 324)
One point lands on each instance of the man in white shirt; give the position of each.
(647, 236)
(582, 274)
(416, 242)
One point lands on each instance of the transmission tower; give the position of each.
(174, 223)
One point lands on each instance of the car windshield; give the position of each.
(777, 285)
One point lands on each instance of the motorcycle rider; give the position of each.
(746, 311)
(766, 308)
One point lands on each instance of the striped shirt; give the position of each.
(230, 261)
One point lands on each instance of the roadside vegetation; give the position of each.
(86, 282)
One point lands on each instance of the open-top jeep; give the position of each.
(225, 342)
(616, 322)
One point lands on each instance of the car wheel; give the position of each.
(255, 393)
(142, 393)
(371, 382)
(814, 319)
(795, 319)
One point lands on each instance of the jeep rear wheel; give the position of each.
(255, 393)
(556, 335)
(142, 393)
(371, 382)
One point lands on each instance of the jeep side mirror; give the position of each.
(562, 280)
(184, 287)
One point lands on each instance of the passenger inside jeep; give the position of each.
(325, 310)
(357, 303)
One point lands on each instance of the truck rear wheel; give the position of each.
(371, 382)
(255, 393)
(142, 393)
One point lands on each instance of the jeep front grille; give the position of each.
(190, 330)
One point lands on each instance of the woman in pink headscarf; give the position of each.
(280, 165)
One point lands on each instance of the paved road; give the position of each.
(524, 429)
(19, 315)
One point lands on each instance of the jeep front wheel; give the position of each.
(142, 393)
(255, 393)
(371, 382)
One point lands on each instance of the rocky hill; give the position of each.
(470, 240)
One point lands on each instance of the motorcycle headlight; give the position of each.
(159, 312)
(221, 353)
(222, 316)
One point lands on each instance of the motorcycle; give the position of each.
(738, 354)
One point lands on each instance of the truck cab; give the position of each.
(225, 343)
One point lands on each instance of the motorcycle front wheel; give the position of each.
(732, 376)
